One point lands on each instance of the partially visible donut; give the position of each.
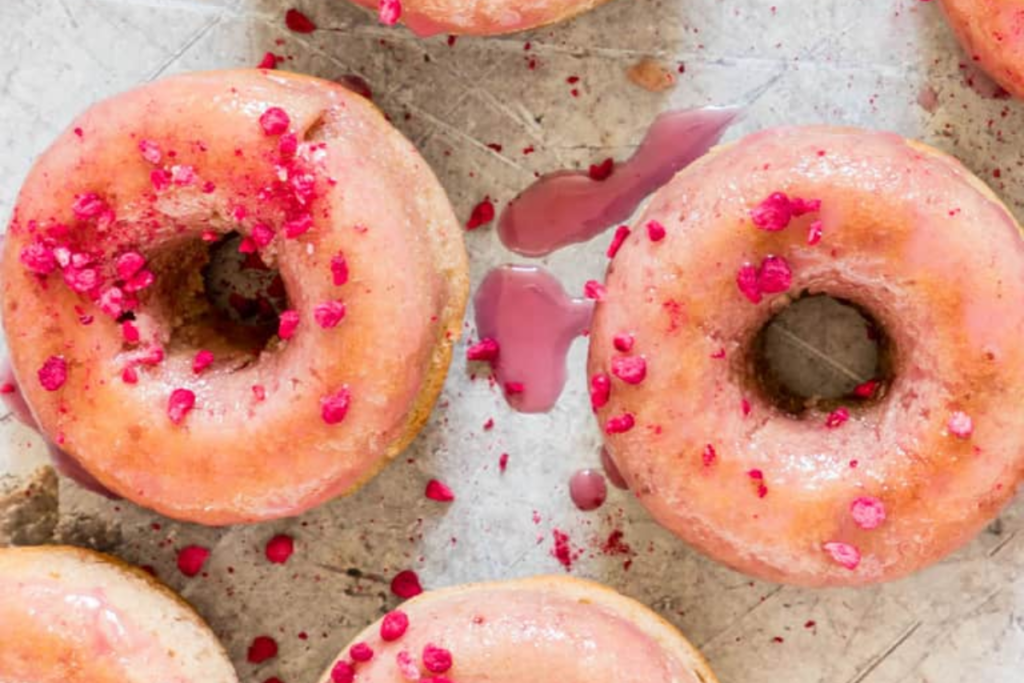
(73, 615)
(992, 34)
(543, 630)
(128, 368)
(866, 488)
(477, 17)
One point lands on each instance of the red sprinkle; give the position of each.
(621, 233)
(630, 369)
(389, 12)
(180, 404)
(53, 373)
(129, 375)
(603, 170)
(837, 418)
(620, 424)
(279, 549)
(394, 625)
(406, 584)
(439, 491)
(486, 350)
(262, 649)
(436, 660)
(361, 652)
(594, 290)
(298, 22)
(655, 231)
(512, 388)
(269, 61)
(868, 512)
(275, 121)
(774, 276)
(329, 314)
(191, 559)
(407, 667)
(960, 425)
(600, 391)
(623, 342)
(503, 462)
(262, 235)
(339, 269)
(844, 554)
(202, 360)
(334, 407)
(867, 389)
(343, 672)
(482, 214)
(286, 324)
(709, 455)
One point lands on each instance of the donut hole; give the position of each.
(214, 297)
(817, 351)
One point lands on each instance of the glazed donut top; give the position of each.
(114, 217)
(902, 231)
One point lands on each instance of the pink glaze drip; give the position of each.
(611, 471)
(588, 490)
(535, 322)
(566, 207)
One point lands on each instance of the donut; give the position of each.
(130, 369)
(544, 629)
(460, 17)
(74, 615)
(992, 34)
(861, 488)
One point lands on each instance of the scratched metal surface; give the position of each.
(872, 62)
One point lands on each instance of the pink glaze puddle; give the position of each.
(567, 207)
(588, 490)
(62, 462)
(535, 322)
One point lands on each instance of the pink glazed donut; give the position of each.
(126, 365)
(853, 491)
(476, 18)
(992, 35)
(542, 630)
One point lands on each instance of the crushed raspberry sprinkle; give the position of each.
(814, 233)
(140, 281)
(436, 660)
(191, 559)
(329, 314)
(262, 235)
(620, 424)
(287, 322)
(621, 233)
(603, 170)
(279, 549)
(594, 290)
(259, 392)
(757, 476)
(298, 22)
(406, 584)
(361, 652)
(269, 61)
(334, 407)
(343, 672)
(130, 332)
(88, 206)
(298, 226)
(180, 404)
(746, 281)
(709, 455)
(774, 276)
(630, 369)
(274, 121)
(655, 231)
(866, 389)
(39, 258)
(600, 391)
(53, 373)
(843, 553)
(485, 350)
(868, 512)
(128, 264)
(81, 280)
(777, 211)
(623, 342)
(439, 491)
(407, 667)
(111, 301)
(202, 360)
(261, 649)
(512, 388)
(837, 418)
(389, 12)
(339, 269)
(960, 425)
(482, 214)
(394, 626)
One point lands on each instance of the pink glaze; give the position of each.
(588, 490)
(542, 630)
(534, 322)
(479, 18)
(912, 237)
(355, 186)
(992, 35)
(569, 206)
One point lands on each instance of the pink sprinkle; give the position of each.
(279, 549)
(53, 373)
(298, 226)
(262, 235)
(620, 424)
(630, 369)
(129, 375)
(709, 455)
(339, 269)
(482, 214)
(275, 121)
(439, 491)
(191, 559)
(394, 626)
(361, 652)
(111, 301)
(655, 231)
(128, 264)
(334, 407)
(342, 672)
(594, 290)
(746, 280)
(600, 391)
(844, 554)
(486, 350)
(774, 213)
(88, 206)
(298, 22)
(261, 649)
(160, 179)
(774, 275)
(389, 12)
(868, 512)
(202, 360)
(621, 233)
(837, 418)
(180, 404)
(407, 667)
(436, 660)
(623, 342)
(329, 314)
(406, 584)
(960, 425)
(39, 258)
(286, 324)
(815, 232)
